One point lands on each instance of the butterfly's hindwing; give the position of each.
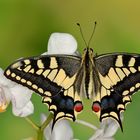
(120, 78)
(53, 78)
(62, 105)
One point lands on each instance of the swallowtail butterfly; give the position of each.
(108, 79)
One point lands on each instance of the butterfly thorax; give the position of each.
(90, 75)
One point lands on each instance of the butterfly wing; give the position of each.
(120, 78)
(53, 78)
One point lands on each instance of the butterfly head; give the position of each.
(88, 54)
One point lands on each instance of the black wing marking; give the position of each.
(120, 78)
(62, 105)
(52, 77)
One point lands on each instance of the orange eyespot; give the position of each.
(96, 107)
(78, 107)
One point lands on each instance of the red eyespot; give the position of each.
(78, 107)
(96, 107)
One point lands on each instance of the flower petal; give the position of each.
(20, 96)
(62, 43)
(4, 81)
(25, 111)
(111, 126)
(107, 130)
(4, 100)
(62, 131)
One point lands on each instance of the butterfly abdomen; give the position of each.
(91, 80)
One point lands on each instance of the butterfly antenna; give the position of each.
(82, 34)
(95, 23)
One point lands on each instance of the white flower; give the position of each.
(107, 130)
(17, 94)
(62, 43)
(61, 130)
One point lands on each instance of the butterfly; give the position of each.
(62, 80)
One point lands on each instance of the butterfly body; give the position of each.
(91, 81)
(109, 80)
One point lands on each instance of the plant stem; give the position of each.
(40, 129)
(32, 123)
(87, 124)
(40, 134)
(47, 121)
(43, 126)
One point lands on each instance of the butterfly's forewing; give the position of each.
(120, 78)
(53, 78)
